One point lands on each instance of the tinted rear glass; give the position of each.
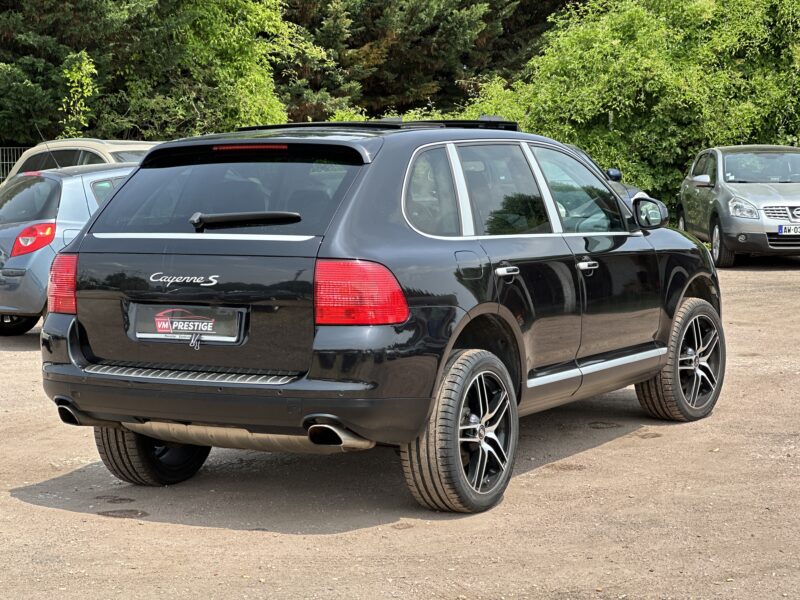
(27, 198)
(161, 199)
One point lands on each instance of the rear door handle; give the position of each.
(588, 265)
(506, 271)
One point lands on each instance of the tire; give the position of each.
(681, 219)
(723, 258)
(14, 325)
(671, 394)
(456, 464)
(141, 460)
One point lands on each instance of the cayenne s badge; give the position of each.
(204, 281)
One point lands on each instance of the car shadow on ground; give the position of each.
(303, 494)
(21, 343)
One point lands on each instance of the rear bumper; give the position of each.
(377, 388)
(23, 283)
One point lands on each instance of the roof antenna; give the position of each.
(47, 147)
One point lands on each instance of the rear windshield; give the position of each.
(161, 199)
(29, 198)
(134, 156)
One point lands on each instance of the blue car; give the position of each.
(40, 213)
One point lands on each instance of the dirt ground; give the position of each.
(604, 503)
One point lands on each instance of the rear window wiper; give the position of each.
(203, 221)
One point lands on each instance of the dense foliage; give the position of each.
(640, 84)
(157, 68)
(644, 84)
(397, 56)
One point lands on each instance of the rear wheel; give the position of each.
(14, 325)
(688, 387)
(142, 460)
(463, 460)
(719, 251)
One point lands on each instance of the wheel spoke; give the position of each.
(480, 468)
(688, 359)
(695, 391)
(494, 418)
(710, 345)
(698, 336)
(495, 448)
(707, 373)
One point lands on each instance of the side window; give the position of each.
(710, 168)
(90, 158)
(700, 165)
(102, 189)
(584, 204)
(502, 190)
(32, 163)
(66, 158)
(430, 199)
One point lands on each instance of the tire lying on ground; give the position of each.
(142, 460)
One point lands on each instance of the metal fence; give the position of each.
(8, 156)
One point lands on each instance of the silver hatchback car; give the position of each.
(743, 200)
(40, 213)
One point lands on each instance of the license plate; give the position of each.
(193, 324)
(788, 229)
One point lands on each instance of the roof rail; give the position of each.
(484, 122)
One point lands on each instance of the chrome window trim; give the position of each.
(462, 193)
(240, 237)
(419, 150)
(542, 186)
(541, 182)
(596, 367)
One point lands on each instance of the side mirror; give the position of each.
(702, 180)
(614, 174)
(649, 212)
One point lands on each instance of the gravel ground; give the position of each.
(605, 502)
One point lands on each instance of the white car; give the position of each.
(79, 151)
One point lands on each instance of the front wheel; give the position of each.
(463, 460)
(141, 460)
(688, 387)
(681, 220)
(14, 325)
(722, 256)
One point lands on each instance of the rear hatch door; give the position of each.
(155, 291)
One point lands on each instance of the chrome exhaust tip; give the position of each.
(323, 434)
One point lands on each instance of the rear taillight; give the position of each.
(34, 238)
(355, 292)
(61, 289)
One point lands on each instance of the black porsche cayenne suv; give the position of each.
(329, 287)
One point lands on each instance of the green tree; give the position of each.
(79, 74)
(406, 55)
(644, 84)
(164, 68)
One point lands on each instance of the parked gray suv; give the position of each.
(743, 200)
(40, 213)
